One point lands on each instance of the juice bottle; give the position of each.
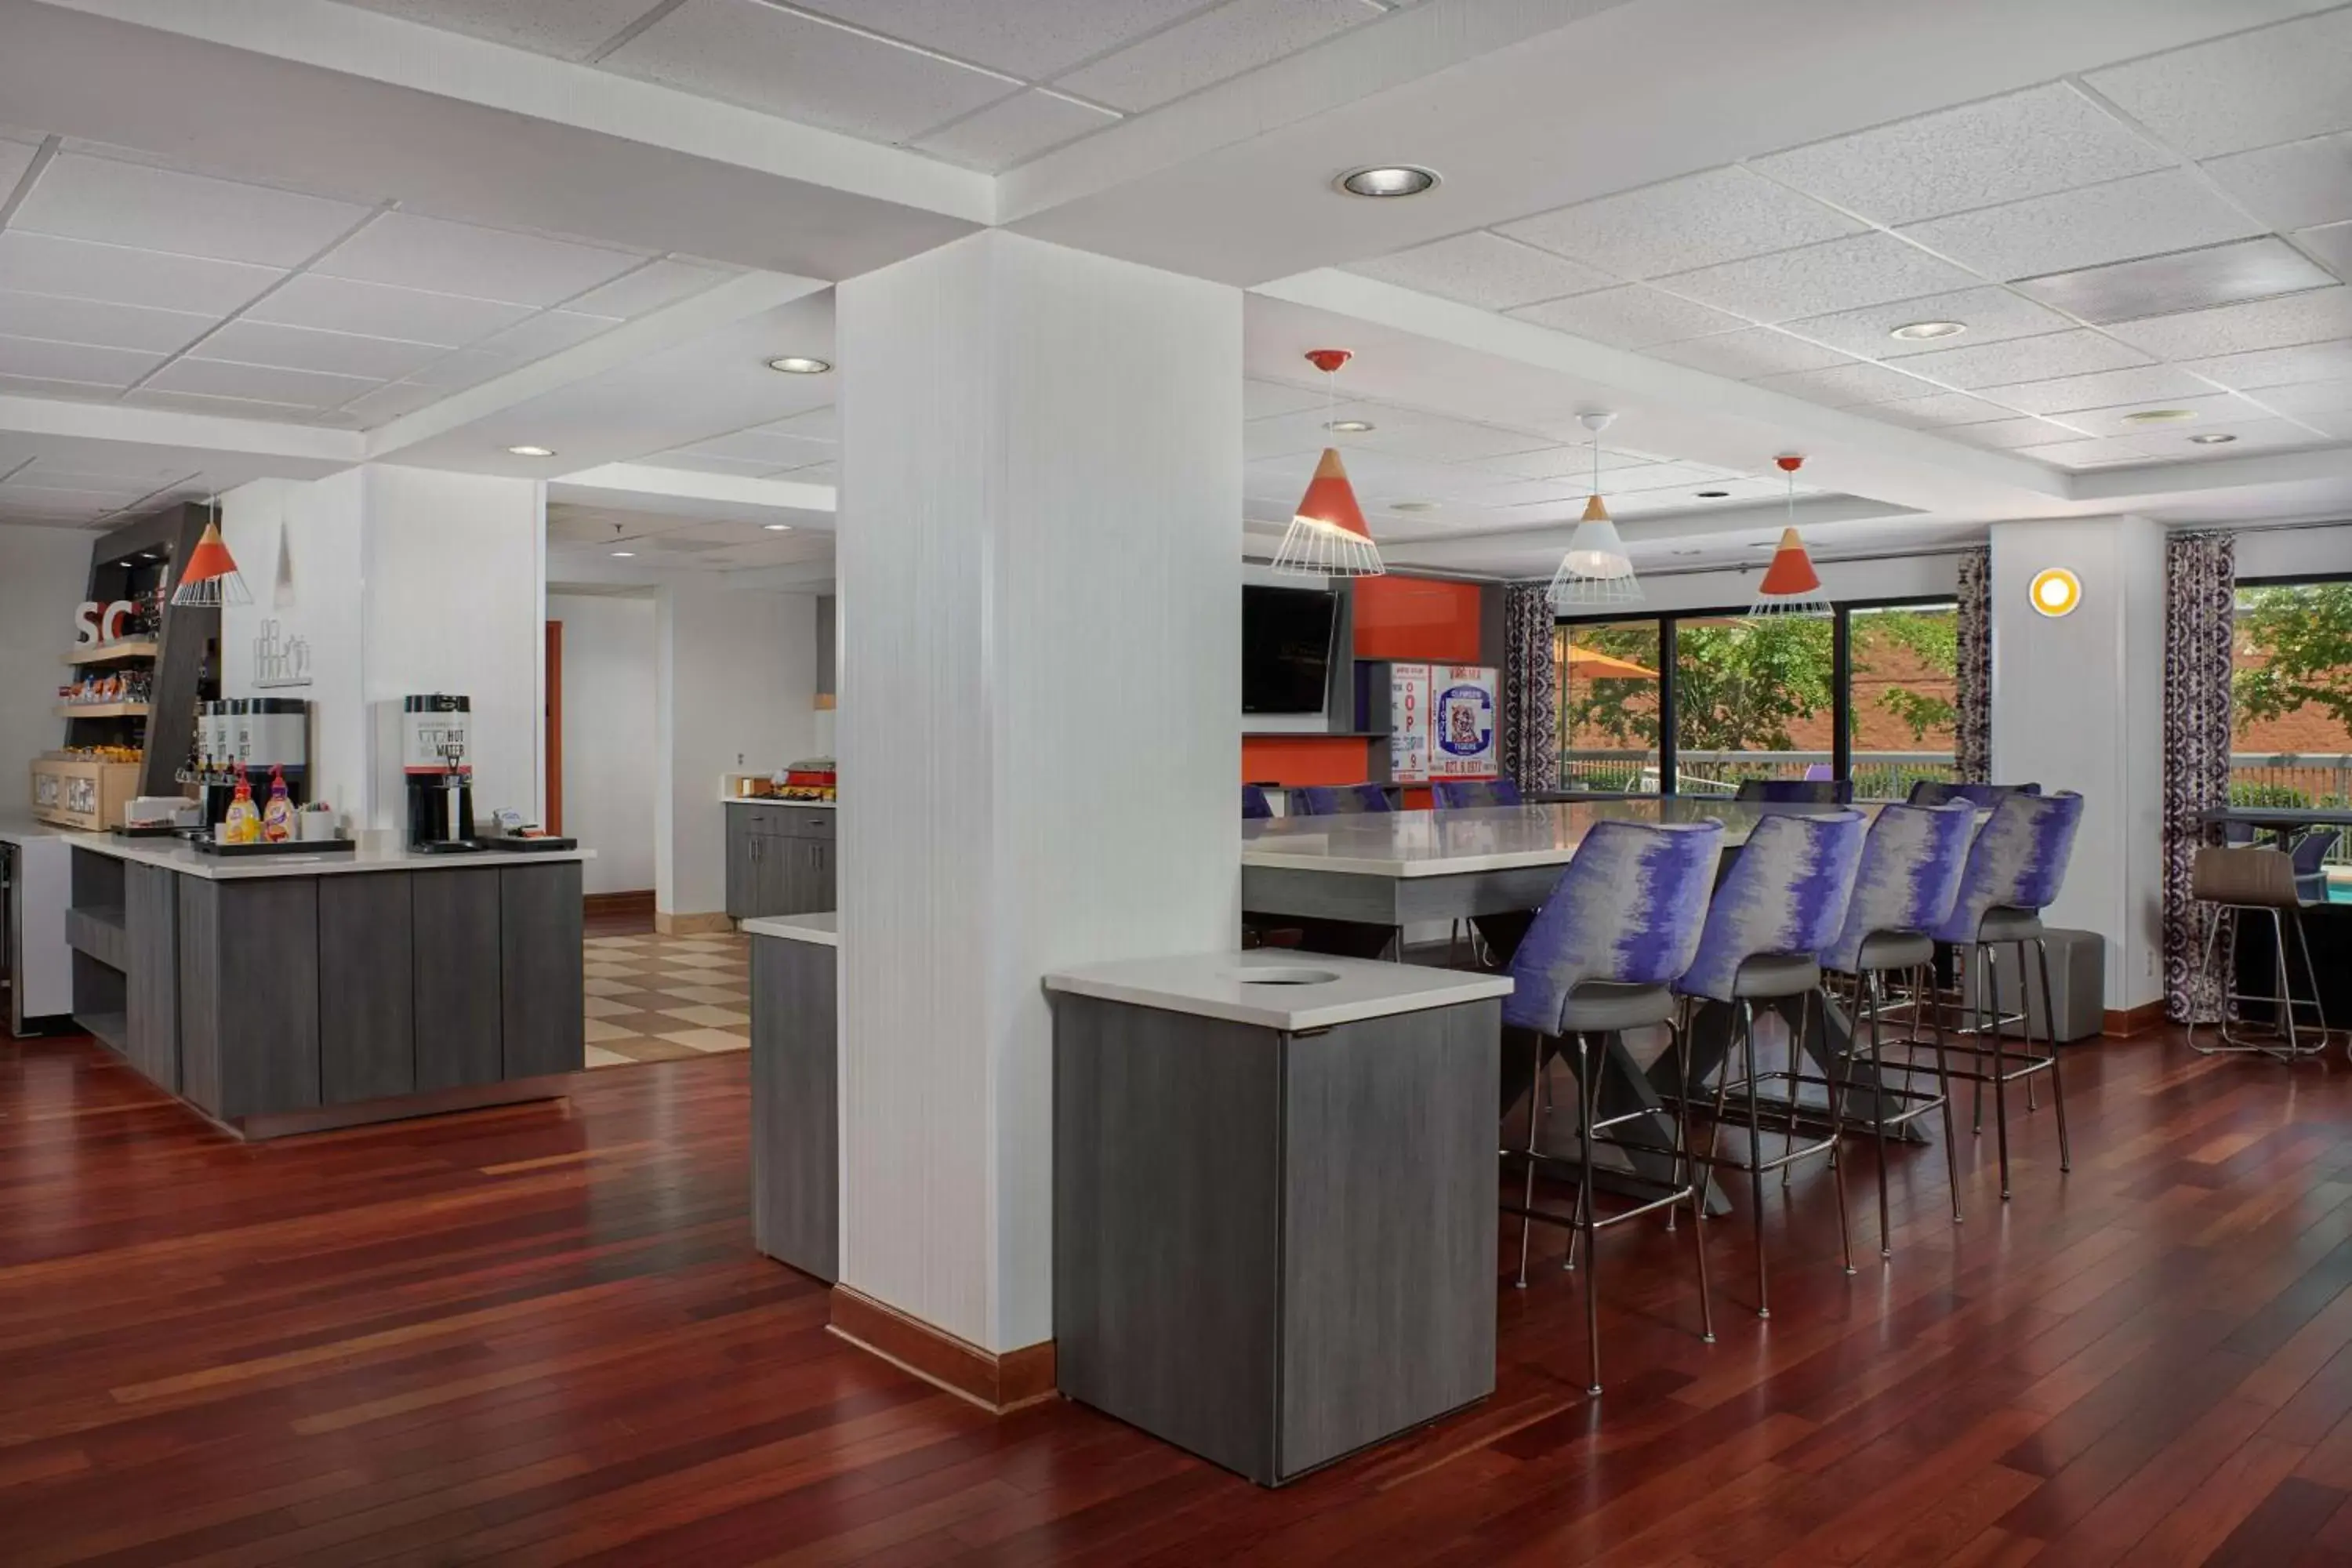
(243, 824)
(278, 816)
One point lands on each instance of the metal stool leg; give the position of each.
(2000, 1088)
(2057, 1069)
(1837, 1131)
(1980, 967)
(1584, 1211)
(1527, 1195)
(1878, 1106)
(2311, 973)
(2286, 1016)
(1690, 1176)
(1926, 978)
(1754, 1155)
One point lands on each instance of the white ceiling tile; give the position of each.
(1843, 386)
(2333, 244)
(1991, 315)
(1698, 220)
(750, 468)
(2251, 89)
(1939, 409)
(2280, 367)
(2294, 185)
(2309, 318)
(1840, 275)
(568, 29)
(1661, 477)
(411, 252)
(2027, 144)
(1268, 399)
(763, 446)
(43, 263)
(96, 321)
(2052, 354)
(1033, 40)
(15, 157)
(1631, 317)
(1221, 44)
(2004, 434)
(2103, 389)
(81, 197)
(303, 348)
(2245, 436)
(1484, 269)
(1014, 130)
(1411, 433)
(2087, 454)
(265, 384)
(468, 367)
(2308, 398)
(749, 53)
(230, 408)
(377, 310)
(384, 403)
(817, 474)
(550, 332)
(2211, 409)
(1754, 352)
(815, 425)
(74, 362)
(1562, 462)
(648, 289)
(2168, 210)
(2200, 279)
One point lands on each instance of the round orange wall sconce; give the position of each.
(2056, 591)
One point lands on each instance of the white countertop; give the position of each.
(1491, 839)
(824, 929)
(172, 855)
(772, 800)
(16, 827)
(1216, 985)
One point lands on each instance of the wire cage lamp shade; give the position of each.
(1327, 536)
(210, 578)
(1789, 584)
(1595, 568)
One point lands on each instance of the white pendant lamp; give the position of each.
(1595, 569)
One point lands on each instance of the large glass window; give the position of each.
(1606, 682)
(1753, 700)
(1903, 664)
(2292, 728)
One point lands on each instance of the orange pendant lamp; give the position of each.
(1327, 536)
(210, 578)
(1790, 583)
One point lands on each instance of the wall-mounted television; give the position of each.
(1286, 648)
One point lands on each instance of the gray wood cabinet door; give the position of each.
(740, 892)
(150, 929)
(540, 978)
(250, 995)
(454, 929)
(367, 1046)
(795, 1111)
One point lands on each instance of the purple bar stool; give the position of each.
(1339, 800)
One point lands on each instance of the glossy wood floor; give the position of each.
(540, 1335)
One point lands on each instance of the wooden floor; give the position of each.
(540, 1335)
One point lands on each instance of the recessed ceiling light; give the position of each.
(623, 554)
(2159, 416)
(1920, 332)
(1412, 506)
(532, 451)
(2213, 438)
(800, 365)
(1389, 180)
(1713, 495)
(1349, 426)
(777, 527)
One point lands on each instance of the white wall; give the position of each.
(735, 686)
(608, 735)
(301, 549)
(44, 573)
(2077, 703)
(1039, 557)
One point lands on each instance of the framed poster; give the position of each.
(1441, 723)
(1409, 686)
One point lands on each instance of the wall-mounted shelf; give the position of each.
(123, 651)
(101, 709)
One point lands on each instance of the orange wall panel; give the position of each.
(1417, 618)
(1293, 759)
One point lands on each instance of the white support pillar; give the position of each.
(1040, 559)
(2078, 703)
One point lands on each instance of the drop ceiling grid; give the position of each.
(814, 429)
(1722, 269)
(125, 279)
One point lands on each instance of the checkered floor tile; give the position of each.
(662, 998)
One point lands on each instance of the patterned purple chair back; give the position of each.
(1628, 910)
(1935, 792)
(1909, 877)
(2018, 862)
(1796, 792)
(1339, 800)
(1785, 895)
(1467, 794)
(1255, 807)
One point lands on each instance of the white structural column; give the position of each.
(2078, 703)
(1039, 595)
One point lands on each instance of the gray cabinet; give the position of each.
(780, 860)
(795, 1111)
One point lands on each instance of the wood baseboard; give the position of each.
(995, 1383)
(2123, 1025)
(670, 924)
(636, 905)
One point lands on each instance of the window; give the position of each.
(1605, 677)
(2292, 696)
(1903, 665)
(1858, 692)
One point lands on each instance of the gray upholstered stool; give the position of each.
(2242, 881)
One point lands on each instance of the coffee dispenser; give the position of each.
(255, 733)
(436, 759)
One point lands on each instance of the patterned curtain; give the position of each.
(2200, 592)
(1529, 743)
(1972, 695)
